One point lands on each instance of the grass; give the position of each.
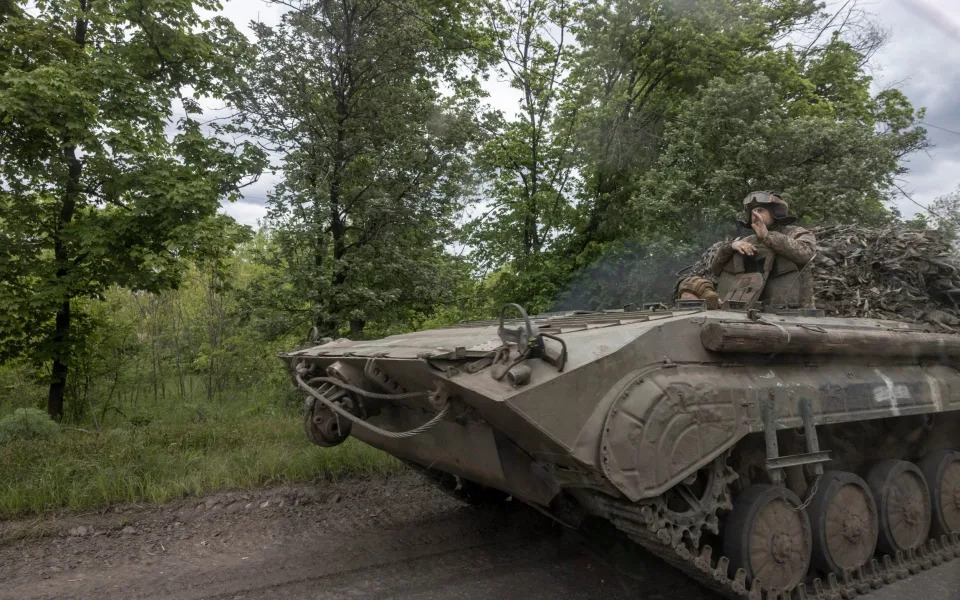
(159, 462)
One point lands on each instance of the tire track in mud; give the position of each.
(397, 538)
(458, 553)
(364, 539)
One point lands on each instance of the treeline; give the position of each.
(404, 199)
(193, 349)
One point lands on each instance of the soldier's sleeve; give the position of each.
(798, 244)
(725, 253)
(720, 258)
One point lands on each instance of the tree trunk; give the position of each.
(61, 332)
(356, 328)
(58, 379)
(338, 217)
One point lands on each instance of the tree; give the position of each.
(99, 184)
(678, 110)
(527, 157)
(347, 94)
(637, 60)
(594, 112)
(945, 211)
(754, 134)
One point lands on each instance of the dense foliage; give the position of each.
(405, 199)
(99, 184)
(374, 158)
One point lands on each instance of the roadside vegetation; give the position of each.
(176, 394)
(164, 461)
(147, 323)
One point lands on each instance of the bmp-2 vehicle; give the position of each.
(767, 454)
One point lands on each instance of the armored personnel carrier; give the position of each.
(767, 454)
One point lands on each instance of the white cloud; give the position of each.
(921, 59)
(246, 213)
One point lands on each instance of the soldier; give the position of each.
(778, 250)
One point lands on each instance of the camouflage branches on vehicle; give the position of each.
(886, 273)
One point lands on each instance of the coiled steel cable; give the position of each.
(341, 412)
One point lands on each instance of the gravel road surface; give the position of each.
(395, 538)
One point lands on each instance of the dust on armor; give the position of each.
(767, 453)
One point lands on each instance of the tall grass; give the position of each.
(160, 462)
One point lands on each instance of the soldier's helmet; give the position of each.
(772, 202)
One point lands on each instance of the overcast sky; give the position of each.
(921, 59)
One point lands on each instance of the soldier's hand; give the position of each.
(759, 227)
(744, 247)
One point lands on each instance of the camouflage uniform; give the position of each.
(794, 243)
(790, 241)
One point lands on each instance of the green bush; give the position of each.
(160, 462)
(27, 424)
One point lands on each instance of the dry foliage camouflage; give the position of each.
(886, 273)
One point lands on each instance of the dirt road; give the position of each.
(361, 539)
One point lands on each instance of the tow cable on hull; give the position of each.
(316, 396)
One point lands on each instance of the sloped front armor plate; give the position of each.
(661, 429)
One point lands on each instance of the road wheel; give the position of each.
(941, 469)
(903, 505)
(843, 521)
(768, 537)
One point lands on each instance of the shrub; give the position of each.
(160, 462)
(27, 424)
